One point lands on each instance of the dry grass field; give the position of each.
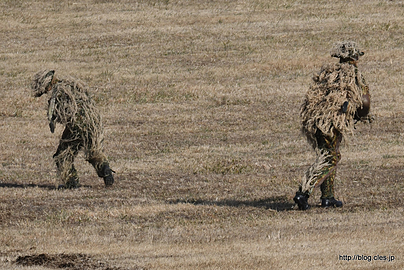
(200, 101)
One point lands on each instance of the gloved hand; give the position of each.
(344, 106)
(52, 126)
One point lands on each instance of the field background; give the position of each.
(200, 101)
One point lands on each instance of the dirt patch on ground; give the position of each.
(66, 261)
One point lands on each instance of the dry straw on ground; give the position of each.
(200, 101)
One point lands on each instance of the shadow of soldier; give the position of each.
(279, 203)
(44, 186)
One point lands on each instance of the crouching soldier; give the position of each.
(71, 105)
(338, 97)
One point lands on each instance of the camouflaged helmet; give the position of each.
(41, 82)
(346, 50)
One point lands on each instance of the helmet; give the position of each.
(346, 50)
(41, 82)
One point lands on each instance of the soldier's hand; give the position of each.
(344, 107)
(370, 118)
(52, 126)
(367, 119)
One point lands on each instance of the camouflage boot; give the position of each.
(72, 181)
(106, 173)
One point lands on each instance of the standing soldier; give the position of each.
(71, 106)
(338, 97)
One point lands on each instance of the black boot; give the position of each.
(301, 200)
(107, 175)
(330, 202)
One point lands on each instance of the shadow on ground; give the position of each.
(278, 204)
(49, 187)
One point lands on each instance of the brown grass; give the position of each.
(200, 101)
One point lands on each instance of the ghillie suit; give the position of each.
(338, 97)
(71, 105)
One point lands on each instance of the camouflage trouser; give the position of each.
(69, 146)
(331, 145)
(325, 179)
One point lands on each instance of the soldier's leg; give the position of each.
(313, 177)
(64, 158)
(327, 186)
(95, 156)
(101, 165)
(93, 149)
(322, 172)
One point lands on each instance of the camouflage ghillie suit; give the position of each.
(71, 106)
(338, 97)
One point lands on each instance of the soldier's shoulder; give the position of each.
(69, 81)
(330, 67)
(325, 70)
(334, 71)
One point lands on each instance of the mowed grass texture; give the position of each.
(200, 101)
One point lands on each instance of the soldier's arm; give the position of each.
(51, 110)
(362, 113)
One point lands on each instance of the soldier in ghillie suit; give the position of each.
(337, 99)
(71, 105)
